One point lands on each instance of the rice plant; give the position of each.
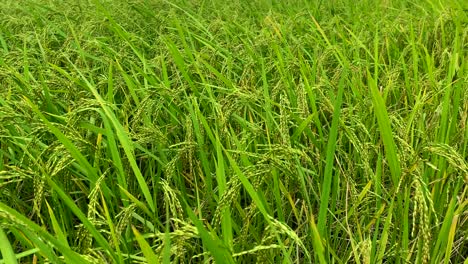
(156, 131)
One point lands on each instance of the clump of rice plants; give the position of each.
(154, 131)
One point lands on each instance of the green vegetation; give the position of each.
(238, 131)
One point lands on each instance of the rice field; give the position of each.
(206, 131)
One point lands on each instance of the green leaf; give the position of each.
(145, 247)
(88, 225)
(34, 232)
(219, 252)
(6, 248)
(331, 146)
(385, 128)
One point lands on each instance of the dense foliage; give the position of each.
(233, 131)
